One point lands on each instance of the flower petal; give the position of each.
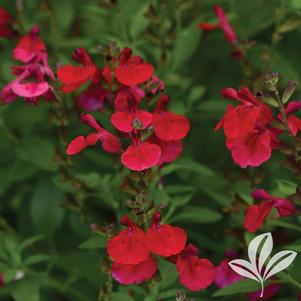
(140, 157)
(131, 274)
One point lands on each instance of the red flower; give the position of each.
(32, 78)
(125, 121)
(126, 96)
(224, 275)
(293, 121)
(246, 128)
(73, 77)
(256, 214)
(165, 240)
(195, 273)
(1, 280)
(208, 26)
(132, 70)
(141, 156)
(170, 150)
(29, 46)
(225, 25)
(93, 98)
(251, 150)
(131, 274)
(5, 24)
(128, 247)
(170, 126)
(110, 143)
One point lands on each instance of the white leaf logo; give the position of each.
(259, 268)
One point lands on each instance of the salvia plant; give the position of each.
(150, 150)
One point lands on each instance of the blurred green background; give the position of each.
(45, 219)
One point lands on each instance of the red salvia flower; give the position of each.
(32, 77)
(165, 240)
(170, 150)
(132, 70)
(141, 156)
(74, 77)
(169, 126)
(294, 123)
(1, 280)
(128, 246)
(6, 20)
(224, 275)
(225, 25)
(195, 273)
(131, 274)
(249, 136)
(93, 98)
(256, 214)
(29, 46)
(125, 121)
(110, 143)
(251, 150)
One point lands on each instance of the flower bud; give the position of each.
(270, 80)
(289, 91)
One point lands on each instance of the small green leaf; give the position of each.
(29, 242)
(243, 286)
(121, 296)
(26, 289)
(36, 259)
(96, 242)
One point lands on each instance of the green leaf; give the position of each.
(38, 258)
(168, 273)
(96, 242)
(196, 94)
(283, 224)
(37, 151)
(243, 286)
(185, 45)
(46, 211)
(121, 296)
(26, 289)
(29, 242)
(195, 214)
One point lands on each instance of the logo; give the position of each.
(261, 266)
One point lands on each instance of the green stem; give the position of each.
(285, 122)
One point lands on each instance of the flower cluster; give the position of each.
(250, 136)
(133, 253)
(256, 214)
(252, 130)
(139, 103)
(6, 20)
(32, 77)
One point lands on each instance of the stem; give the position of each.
(285, 122)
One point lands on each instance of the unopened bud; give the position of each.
(137, 124)
(269, 100)
(270, 80)
(289, 91)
